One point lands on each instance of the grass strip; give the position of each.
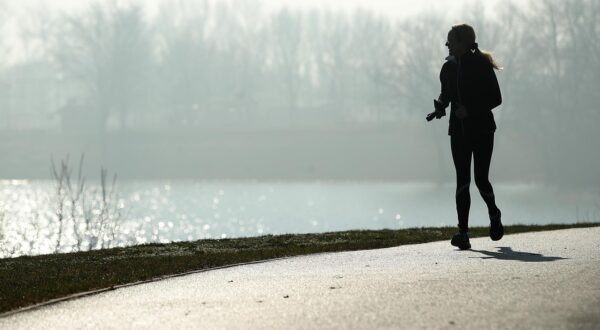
(30, 280)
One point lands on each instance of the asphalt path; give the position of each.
(547, 280)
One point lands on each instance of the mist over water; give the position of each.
(238, 118)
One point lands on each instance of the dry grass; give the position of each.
(30, 280)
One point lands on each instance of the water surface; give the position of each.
(164, 211)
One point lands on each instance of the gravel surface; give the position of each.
(533, 280)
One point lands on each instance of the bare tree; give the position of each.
(59, 176)
(107, 51)
(94, 213)
(3, 247)
(373, 59)
(287, 55)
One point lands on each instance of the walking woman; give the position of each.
(469, 84)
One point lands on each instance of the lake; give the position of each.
(165, 211)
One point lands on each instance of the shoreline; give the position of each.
(33, 281)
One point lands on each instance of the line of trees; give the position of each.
(198, 57)
(228, 63)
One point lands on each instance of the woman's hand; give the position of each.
(461, 112)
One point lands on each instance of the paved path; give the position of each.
(535, 280)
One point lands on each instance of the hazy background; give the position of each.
(273, 90)
(238, 118)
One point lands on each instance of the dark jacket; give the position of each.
(479, 93)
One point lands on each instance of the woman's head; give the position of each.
(461, 38)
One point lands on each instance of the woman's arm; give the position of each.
(448, 82)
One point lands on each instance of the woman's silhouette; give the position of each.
(469, 84)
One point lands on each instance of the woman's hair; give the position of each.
(465, 33)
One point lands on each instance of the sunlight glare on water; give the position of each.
(187, 210)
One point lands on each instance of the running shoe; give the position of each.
(461, 240)
(496, 228)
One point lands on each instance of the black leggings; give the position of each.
(481, 147)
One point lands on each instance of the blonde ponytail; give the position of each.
(488, 56)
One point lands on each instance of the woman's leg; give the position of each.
(461, 155)
(482, 156)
